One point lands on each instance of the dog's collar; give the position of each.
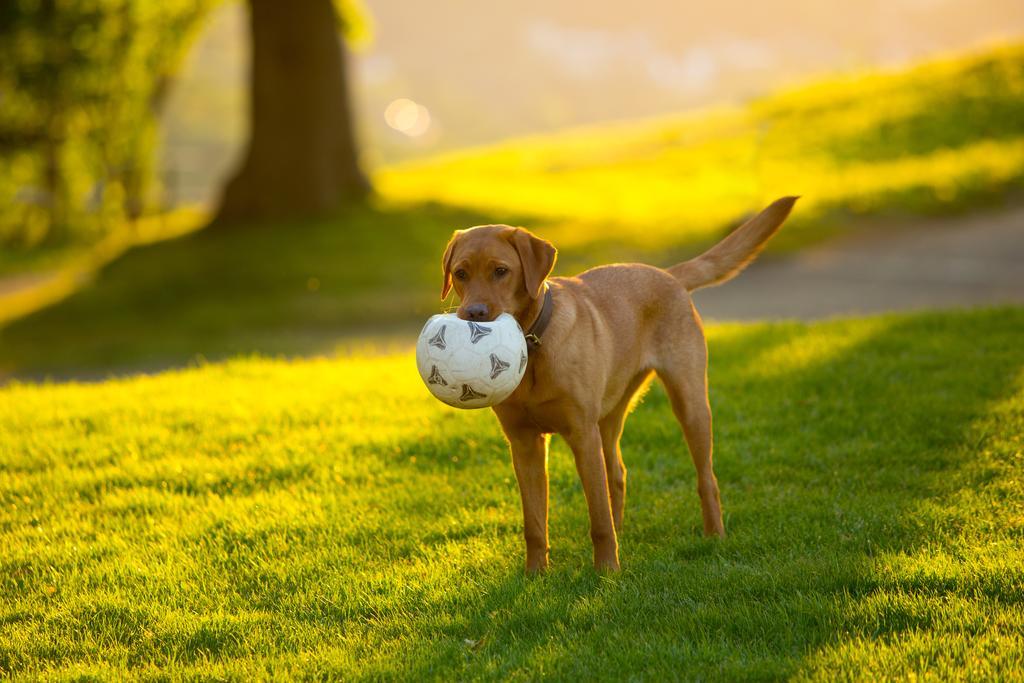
(533, 335)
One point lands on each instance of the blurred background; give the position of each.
(188, 180)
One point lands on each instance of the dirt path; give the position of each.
(970, 260)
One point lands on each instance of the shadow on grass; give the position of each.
(824, 463)
(283, 288)
(366, 275)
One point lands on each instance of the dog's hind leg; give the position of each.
(684, 375)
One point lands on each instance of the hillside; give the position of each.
(936, 138)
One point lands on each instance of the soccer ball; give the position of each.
(468, 364)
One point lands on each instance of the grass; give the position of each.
(282, 288)
(939, 137)
(327, 519)
(87, 252)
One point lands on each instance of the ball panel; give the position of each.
(498, 366)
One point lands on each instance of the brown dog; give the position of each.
(611, 329)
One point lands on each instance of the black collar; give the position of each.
(533, 335)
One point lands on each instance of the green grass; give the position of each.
(328, 519)
(283, 288)
(939, 137)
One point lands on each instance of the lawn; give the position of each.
(938, 137)
(326, 518)
(293, 288)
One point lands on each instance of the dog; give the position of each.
(596, 340)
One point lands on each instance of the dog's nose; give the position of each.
(477, 312)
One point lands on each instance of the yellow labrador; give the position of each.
(596, 339)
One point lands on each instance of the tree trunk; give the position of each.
(302, 158)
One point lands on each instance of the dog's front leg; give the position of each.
(586, 449)
(530, 459)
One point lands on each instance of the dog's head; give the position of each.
(496, 269)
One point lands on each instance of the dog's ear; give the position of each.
(446, 265)
(537, 256)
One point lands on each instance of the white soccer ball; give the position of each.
(468, 364)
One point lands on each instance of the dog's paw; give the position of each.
(535, 566)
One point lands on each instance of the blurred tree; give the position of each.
(79, 83)
(301, 157)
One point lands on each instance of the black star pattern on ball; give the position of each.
(498, 366)
(522, 362)
(438, 339)
(477, 332)
(468, 393)
(435, 377)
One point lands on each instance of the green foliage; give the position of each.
(327, 519)
(80, 82)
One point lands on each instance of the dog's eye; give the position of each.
(500, 271)
(461, 274)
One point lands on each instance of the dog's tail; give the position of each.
(726, 259)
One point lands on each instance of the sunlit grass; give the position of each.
(787, 355)
(938, 137)
(327, 518)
